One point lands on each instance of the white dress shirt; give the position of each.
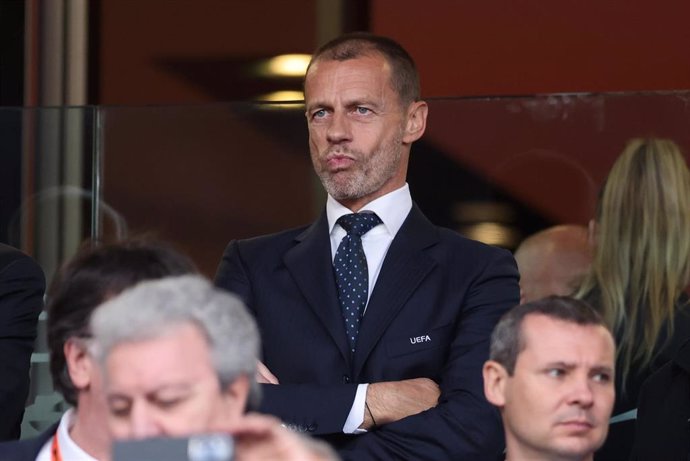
(393, 209)
(69, 450)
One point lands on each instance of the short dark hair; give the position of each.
(507, 340)
(93, 275)
(404, 75)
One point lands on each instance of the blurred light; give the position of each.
(281, 96)
(491, 233)
(473, 211)
(285, 65)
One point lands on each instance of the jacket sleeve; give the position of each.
(316, 409)
(22, 285)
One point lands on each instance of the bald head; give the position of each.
(553, 262)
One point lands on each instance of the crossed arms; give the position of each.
(439, 416)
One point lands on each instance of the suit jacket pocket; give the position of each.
(418, 340)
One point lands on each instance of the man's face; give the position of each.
(356, 128)
(558, 402)
(167, 386)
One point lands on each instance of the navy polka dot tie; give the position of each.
(351, 271)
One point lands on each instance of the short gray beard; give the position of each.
(378, 169)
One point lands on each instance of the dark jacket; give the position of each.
(663, 417)
(21, 300)
(26, 450)
(433, 284)
(621, 437)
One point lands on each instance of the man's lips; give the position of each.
(577, 425)
(338, 161)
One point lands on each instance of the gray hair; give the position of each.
(152, 308)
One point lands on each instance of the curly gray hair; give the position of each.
(150, 309)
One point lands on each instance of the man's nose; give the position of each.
(143, 423)
(338, 129)
(581, 392)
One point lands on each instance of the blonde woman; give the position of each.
(641, 267)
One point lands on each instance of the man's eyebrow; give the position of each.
(560, 364)
(602, 369)
(362, 102)
(170, 387)
(570, 366)
(163, 387)
(314, 104)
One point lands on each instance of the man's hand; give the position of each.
(394, 400)
(264, 375)
(260, 437)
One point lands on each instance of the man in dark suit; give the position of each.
(389, 368)
(22, 285)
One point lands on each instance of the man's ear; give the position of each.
(495, 377)
(416, 121)
(235, 396)
(79, 363)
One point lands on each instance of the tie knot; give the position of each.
(359, 223)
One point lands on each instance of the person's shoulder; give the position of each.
(420, 225)
(267, 246)
(276, 238)
(18, 263)
(467, 258)
(455, 249)
(19, 450)
(27, 449)
(9, 254)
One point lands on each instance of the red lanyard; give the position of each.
(55, 449)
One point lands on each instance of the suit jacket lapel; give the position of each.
(404, 267)
(310, 264)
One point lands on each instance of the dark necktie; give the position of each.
(351, 271)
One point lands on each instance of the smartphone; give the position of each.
(206, 447)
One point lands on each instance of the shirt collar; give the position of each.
(68, 447)
(392, 208)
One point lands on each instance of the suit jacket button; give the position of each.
(346, 379)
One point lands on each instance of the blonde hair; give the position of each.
(642, 259)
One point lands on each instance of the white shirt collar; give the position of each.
(392, 208)
(68, 447)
